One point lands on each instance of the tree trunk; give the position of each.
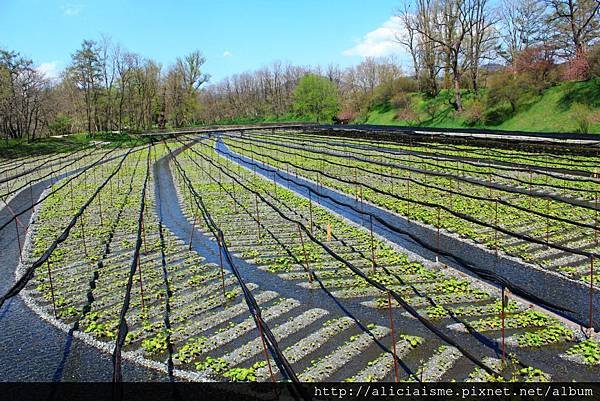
(457, 98)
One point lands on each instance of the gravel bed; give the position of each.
(280, 332)
(379, 368)
(324, 367)
(443, 359)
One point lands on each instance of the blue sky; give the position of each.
(235, 36)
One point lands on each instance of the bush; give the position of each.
(497, 115)
(577, 68)
(407, 115)
(431, 109)
(474, 114)
(593, 59)
(385, 92)
(536, 68)
(406, 84)
(400, 100)
(504, 87)
(583, 118)
(61, 125)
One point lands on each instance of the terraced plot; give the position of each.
(202, 264)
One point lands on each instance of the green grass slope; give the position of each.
(558, 109)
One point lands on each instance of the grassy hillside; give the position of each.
(560, 108)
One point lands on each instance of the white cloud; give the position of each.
(50, 69)
(71, 10)
(227, 53)
(380, 42)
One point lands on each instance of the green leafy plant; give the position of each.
(156, 344)
(191, 349)
(217, 365)
(589, 350)
(244, 374)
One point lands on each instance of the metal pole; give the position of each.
(547, 220)
(144, 235)
(502, 315)
(262, 337)
(389, 299)
(31, 194)
(495, 230)
(257, 217)
(438, 229)
(51, 288)
(372, 242)
(307, 268)
(83, 238)
(408, 196)
(19, 240)
(141, 283)
(192, 232)
(591, 323)
(355, 185)
(310, 210)
(596, 220)
(220, 241)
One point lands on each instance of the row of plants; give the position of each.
(237, 210)
(553, 231)
(525, 155)
(194, 292)
(549, 174)
(21, 175)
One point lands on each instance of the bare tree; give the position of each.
(23, 93)
(576, 24)
(482, 38)
(522, 24)
(108, 67)
(410, 37)
(454, 21)
(190, 68)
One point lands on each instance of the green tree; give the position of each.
(86, 72)
(316, 97)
